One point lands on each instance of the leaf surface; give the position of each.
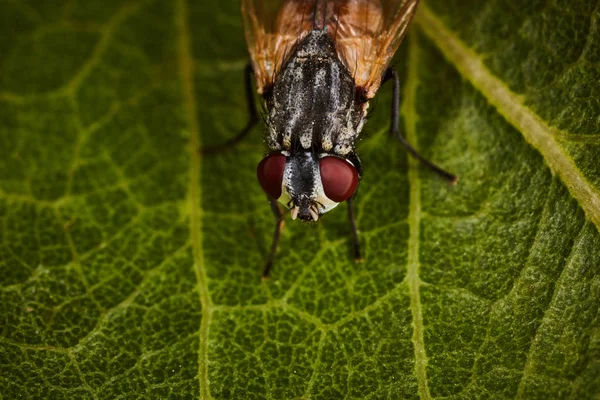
(130, 266)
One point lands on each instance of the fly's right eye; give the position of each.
(270, 174)
(339, 178)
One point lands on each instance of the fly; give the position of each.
(316, 64)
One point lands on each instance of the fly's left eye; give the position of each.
(339, 178)
(270, 174)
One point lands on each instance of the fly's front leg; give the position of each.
(395, 129)
(252, 121)
(355, 239)
(278, 213)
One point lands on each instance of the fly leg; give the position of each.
(355, 240)
(395, 129)
(276, 235)
(252, 121)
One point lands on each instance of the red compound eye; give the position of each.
(270, 174)
(339, 178)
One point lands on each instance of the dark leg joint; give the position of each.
(395, 129)
(252, 121)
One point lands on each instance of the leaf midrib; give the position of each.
(510, 105)
(409, 112)
(186, 72)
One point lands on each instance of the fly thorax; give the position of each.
(313, 104)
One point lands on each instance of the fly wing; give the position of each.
(272, 28)
(366, 34)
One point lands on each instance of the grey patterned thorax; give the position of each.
(314, 104)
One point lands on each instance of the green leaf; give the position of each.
(130, 266)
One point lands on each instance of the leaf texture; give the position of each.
(130, 265)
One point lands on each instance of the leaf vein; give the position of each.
(480, 352)
(529, 366)
(414, 220)
(511, 106)
(186, 72)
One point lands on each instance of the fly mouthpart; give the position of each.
(294, 212)
(307, 213)
(313, 213)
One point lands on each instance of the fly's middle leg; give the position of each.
(252, 121)
(391, 74)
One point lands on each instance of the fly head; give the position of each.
(309, 184)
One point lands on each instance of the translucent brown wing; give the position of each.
(366, 34)
(272, 28)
